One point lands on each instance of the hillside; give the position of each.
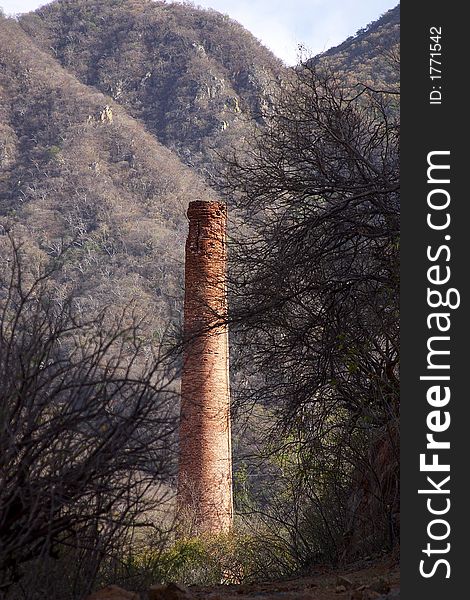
(193, 76)
(179, 80)
(372, 54)
(111, 188)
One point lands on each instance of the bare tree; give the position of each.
(86, 423)
(315, 293)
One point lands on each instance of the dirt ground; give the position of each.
(362, 582)
(373, 580)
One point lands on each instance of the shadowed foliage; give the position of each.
(86, 425)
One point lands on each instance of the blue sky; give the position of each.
(282, 24)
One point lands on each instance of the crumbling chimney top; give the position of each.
(198, 209)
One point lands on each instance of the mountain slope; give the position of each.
(109, 189)
(193, 76)
(190, 78)
(372, 55)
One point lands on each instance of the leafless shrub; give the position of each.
(86, 428)
(315, 308)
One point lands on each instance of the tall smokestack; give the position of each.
(205, 467)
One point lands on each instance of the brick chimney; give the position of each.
(205, 461)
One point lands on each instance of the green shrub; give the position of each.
(235, 557)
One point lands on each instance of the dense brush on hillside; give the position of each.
(193, 76)
(111, 188)
(372, 55)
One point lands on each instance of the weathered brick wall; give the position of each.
(205, 470)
